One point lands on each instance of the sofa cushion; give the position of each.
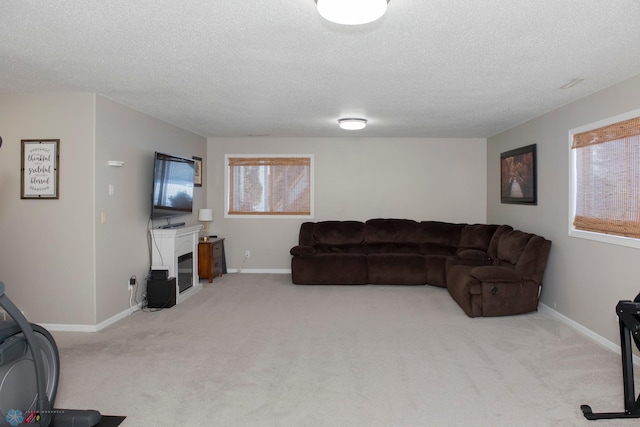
(302, 250)
(305, 237)
(391, 231)
(477, 236)
(329, 269)
(441, 233)
(339, 249)
(436, 270)
(468, 257)
(491, 273)
(395, 248)
(437, 249)
(511, 245)
(396, 269)
(338, 232)
(533, 260)
(493, 245)
(474, 255)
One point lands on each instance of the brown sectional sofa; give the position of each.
(489, 270)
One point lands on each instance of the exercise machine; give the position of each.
(29, 374)
(629, 320)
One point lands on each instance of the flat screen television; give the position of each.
(172, 186)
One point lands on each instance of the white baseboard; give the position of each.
(89, 328)
(586, 332)
(564, 319)
(125, 313)
(259, 270)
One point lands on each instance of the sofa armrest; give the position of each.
(470, 257)
(302, 250)
(492, 273)
(505, 291)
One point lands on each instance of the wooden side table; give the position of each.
(210, 259)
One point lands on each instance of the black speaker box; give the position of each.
(160, 274)
(161, 293)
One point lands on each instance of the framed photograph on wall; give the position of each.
(40, 169)
(197, 171)
(518, 176)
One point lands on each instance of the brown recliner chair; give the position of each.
(505, 282)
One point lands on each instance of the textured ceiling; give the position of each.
(428, 68)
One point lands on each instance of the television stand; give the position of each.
(177, 251)
(176, 225)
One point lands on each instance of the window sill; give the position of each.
(267, 216)
(605, 238)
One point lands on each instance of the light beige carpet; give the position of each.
(255, 350)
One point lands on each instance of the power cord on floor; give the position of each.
(242, 264)
(133, 290)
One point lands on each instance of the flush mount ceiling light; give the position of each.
(351, 12)
(352, 124)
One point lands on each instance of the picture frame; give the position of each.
(518, 176)
(40, 169)
(197, 171)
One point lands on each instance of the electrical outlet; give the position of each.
(131, 282)
(247, 253)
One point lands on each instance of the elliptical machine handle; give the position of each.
(43, 406)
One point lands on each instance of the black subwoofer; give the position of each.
(161, 293)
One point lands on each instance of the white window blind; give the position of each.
(607, 181)
(270, 185)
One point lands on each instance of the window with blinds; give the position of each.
(606, 181)
(270, 185)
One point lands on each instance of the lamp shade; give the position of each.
(205, 215)
(351, 12)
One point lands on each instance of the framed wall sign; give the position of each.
(40, 169)
(518, 177)
(197, 171)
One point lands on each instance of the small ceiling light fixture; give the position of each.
(352, 12)
(352, 124)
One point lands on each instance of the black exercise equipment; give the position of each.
(629, 320)
(29, 373)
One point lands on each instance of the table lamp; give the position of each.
(205, 216)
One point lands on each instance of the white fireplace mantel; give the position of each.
(171, 243)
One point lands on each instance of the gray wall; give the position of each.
(46, 253)
(60, 264)
(121, 244)
(584, 279)
(357, 179)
